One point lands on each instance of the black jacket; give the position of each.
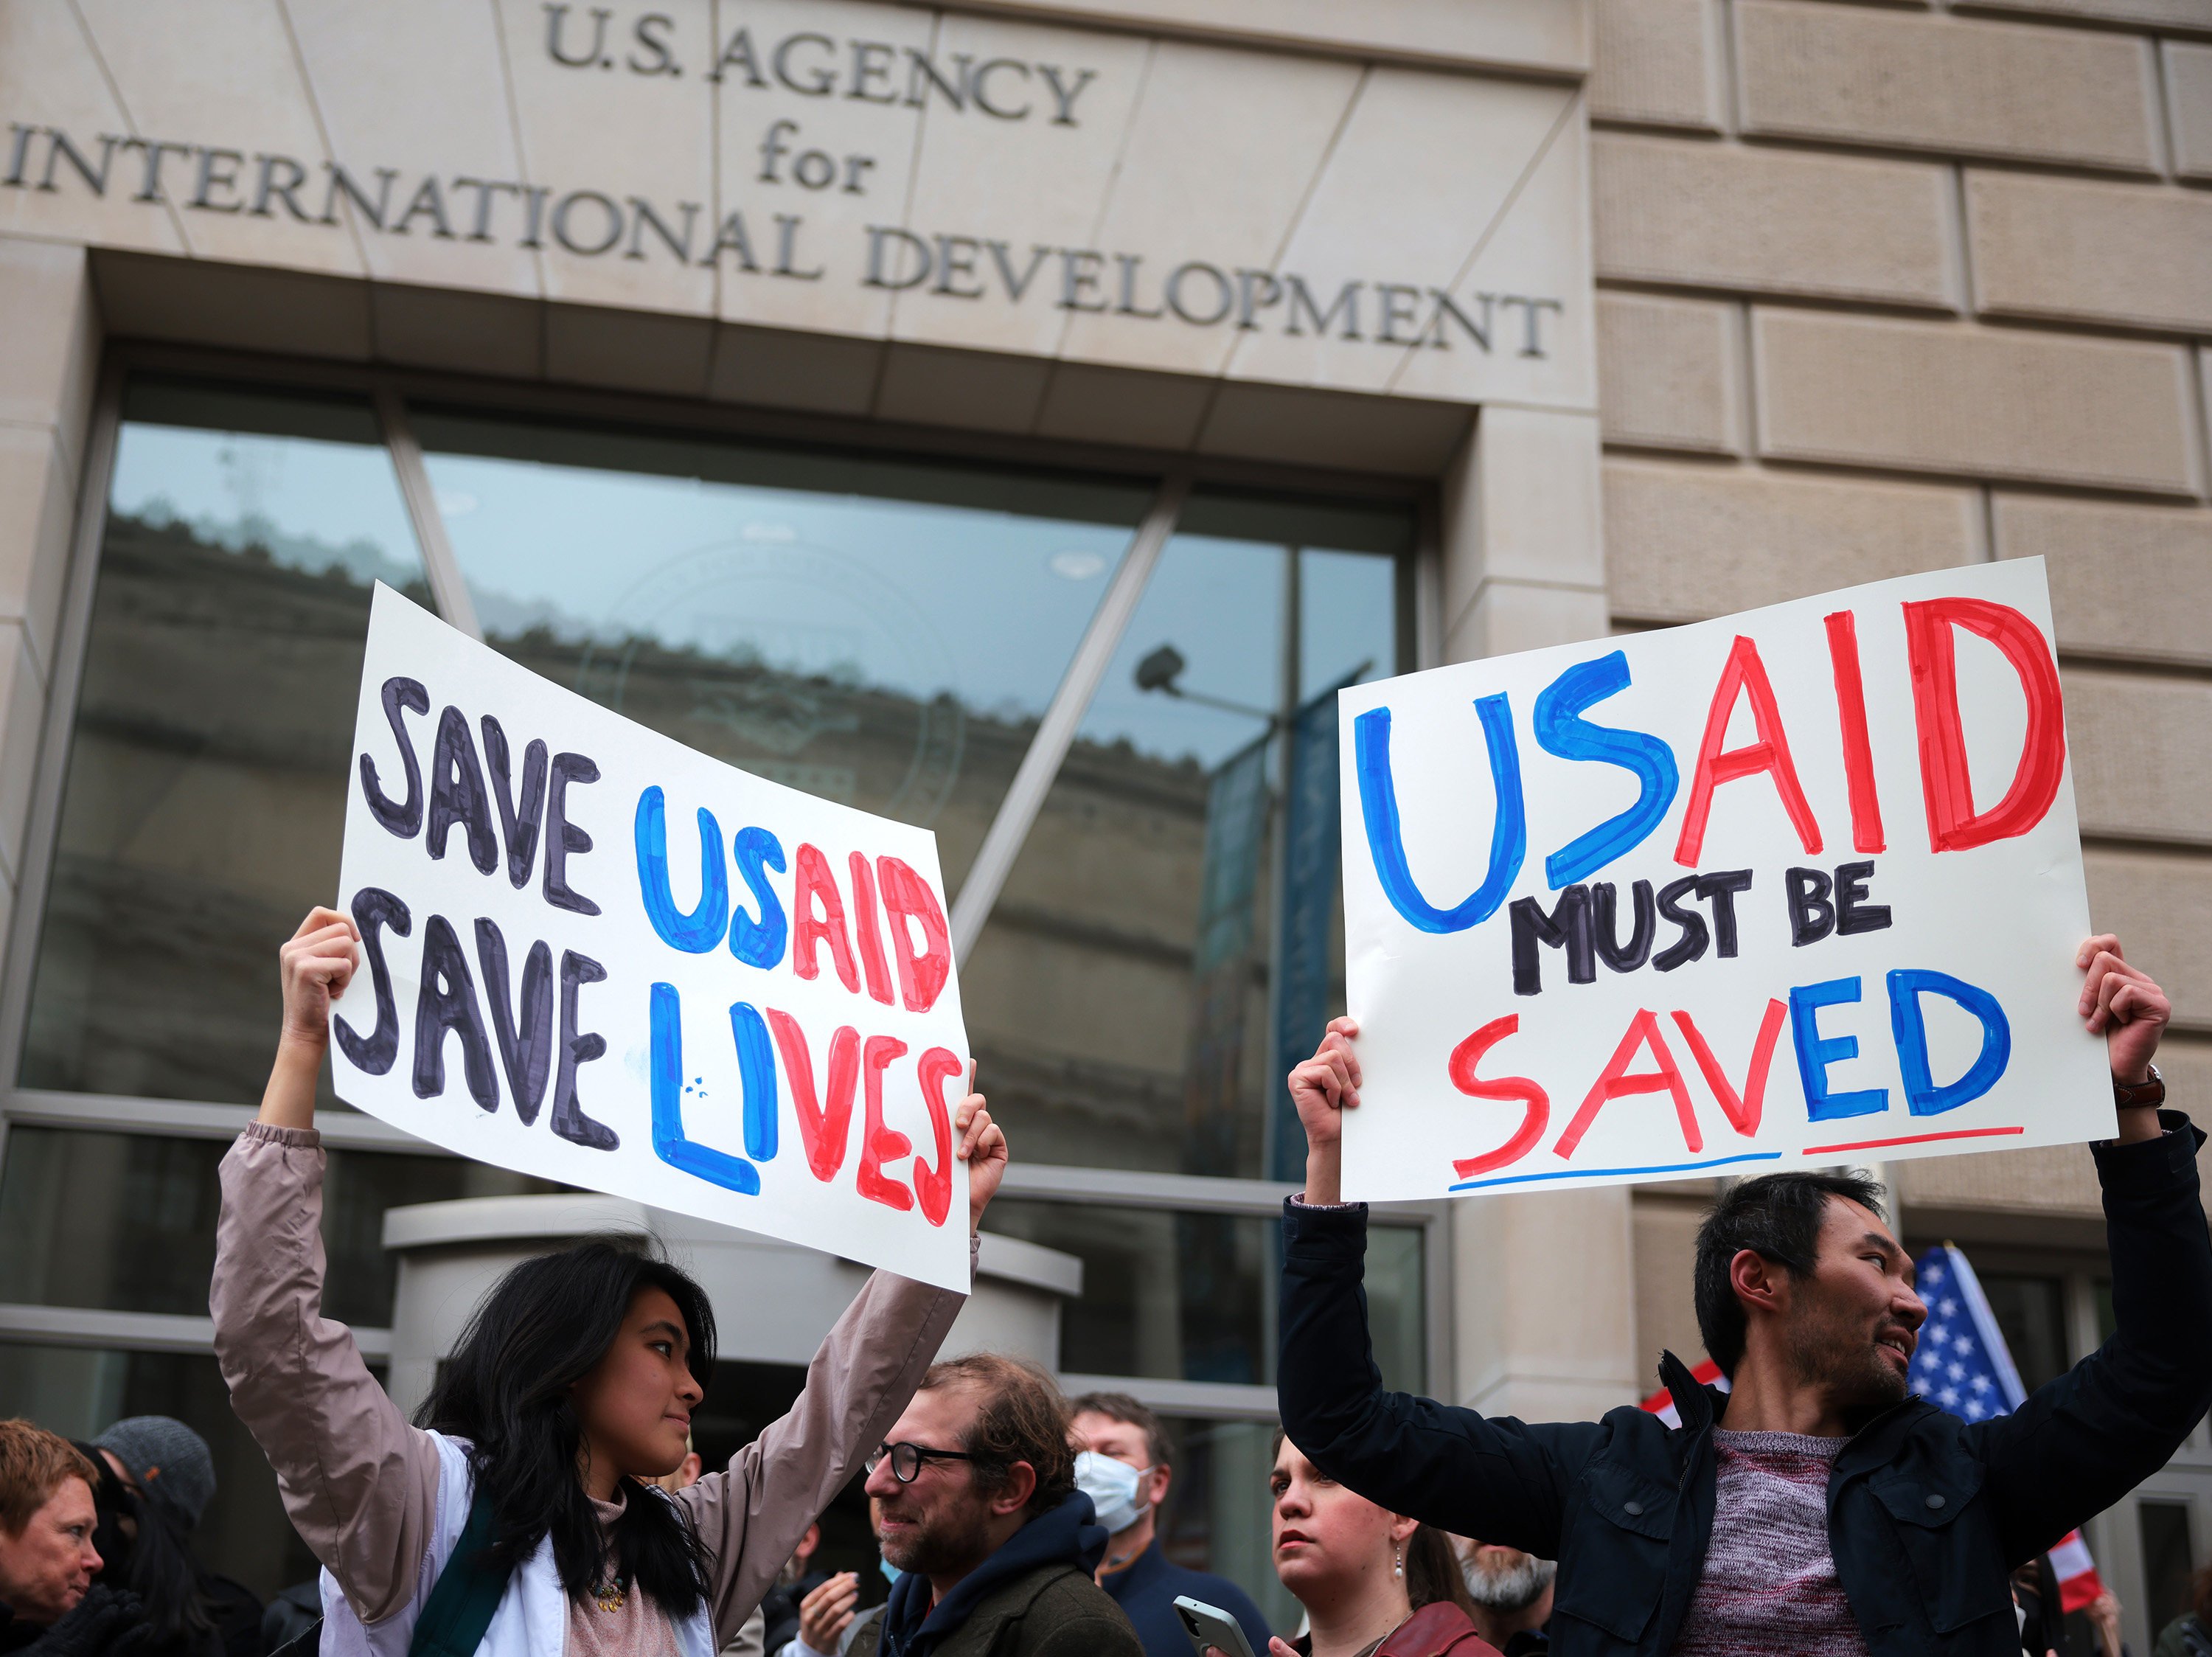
(1033, 1598)
(1926, 1513)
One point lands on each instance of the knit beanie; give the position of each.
(169, 1461)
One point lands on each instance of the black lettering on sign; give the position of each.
(405, 819)
(447, 1002)
(569, 1118)
(375, 909)
(527, 1051)
(564, 839)
(457, 794)
(1567, 925)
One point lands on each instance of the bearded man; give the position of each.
(1817, 1508)
(976, 1507)
(1512, 1595)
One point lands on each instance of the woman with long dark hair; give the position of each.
(575, 1381)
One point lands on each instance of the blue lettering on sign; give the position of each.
(700, 930)
(1909, 1029)
(1816, 1052)
(1386, 844)
(669, 1142)
(1561, 729)
(759, 943)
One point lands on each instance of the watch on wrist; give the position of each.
(2129, 1095)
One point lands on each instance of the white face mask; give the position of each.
(1112, 1489)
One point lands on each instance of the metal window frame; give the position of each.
(391, 393)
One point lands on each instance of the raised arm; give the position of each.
(2080, 1443)
(359, 1483)
(752, 1516)
(1498, 1478)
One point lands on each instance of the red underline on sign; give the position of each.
(1910, 1139)
(1611, 1174)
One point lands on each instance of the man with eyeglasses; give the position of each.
(976, 1507)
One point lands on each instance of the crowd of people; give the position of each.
(546, 1498)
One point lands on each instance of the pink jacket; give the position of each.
(362, 1485)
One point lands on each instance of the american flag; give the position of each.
(1962, 1365)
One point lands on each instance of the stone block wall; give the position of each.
(1891, 287)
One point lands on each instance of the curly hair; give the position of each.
(1021, 1415)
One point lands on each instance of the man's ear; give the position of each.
(1760, 1284)
(1021, 1484)
(1162, 1476)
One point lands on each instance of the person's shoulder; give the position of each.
(1072, 1614)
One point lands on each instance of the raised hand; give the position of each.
(983, 1149)
(1323, 1088)
(2123, 1005)
(314, 967)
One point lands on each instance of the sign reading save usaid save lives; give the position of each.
(1795, 887)
(596, 956)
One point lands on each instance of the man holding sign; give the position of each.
(1657, 898)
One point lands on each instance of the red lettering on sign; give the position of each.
(1744, 674)
(1944, 782)
(1512, 1089)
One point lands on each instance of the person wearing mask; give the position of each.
(1124, 1465)
(1776, 1517)
(1373, 1583)
(1512, 1595)
(978, 1510)
(2190, 1635)
(157, 1479)
(575, 1379)
(50, 1605)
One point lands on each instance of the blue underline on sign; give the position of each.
(1608, 1173)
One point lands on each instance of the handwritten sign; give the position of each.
(599, 956)
(1801, 886)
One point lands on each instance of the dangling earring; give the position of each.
(1398, 1568)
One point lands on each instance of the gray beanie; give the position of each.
(169, 1461)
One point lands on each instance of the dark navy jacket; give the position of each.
(1927, 1513)
(1147, 1588)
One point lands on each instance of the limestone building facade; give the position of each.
(869, 394)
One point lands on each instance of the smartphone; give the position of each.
(1211, 1626)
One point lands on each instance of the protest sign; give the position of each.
(1797, 887)
(594, 955)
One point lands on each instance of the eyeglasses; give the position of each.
(906, 1459)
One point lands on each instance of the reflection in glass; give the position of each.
(1217, 1514)
(207, 772)
(1191, 1297)
(1119, 999)
(125, 1223)
(880, 632)
(81, 1391)
(2031, 1311)
(2167, 1556)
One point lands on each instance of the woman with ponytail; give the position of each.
(522, 1476)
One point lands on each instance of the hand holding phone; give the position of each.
(1212, 1629)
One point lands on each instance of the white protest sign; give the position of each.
(596, 956)
(1797, 887)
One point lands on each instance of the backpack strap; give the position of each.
(466, 1594)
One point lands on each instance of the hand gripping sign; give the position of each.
(1795, 887)
(594, 955)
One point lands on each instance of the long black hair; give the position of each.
(544, 1327)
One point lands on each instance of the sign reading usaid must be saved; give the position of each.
(594, 955)
(868, 169)
(1794, 886)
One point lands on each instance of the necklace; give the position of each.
(612, 1596)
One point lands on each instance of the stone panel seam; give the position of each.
(2161, 118)
(1996, 11)
(1730, 68)
(906, 216)
(1958, 242)
(514, 106)
(115, 91)
(1106, 198)
(1905, 310)
(323, 131)
(1560, 123)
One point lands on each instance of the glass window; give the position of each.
(125, 1223)
(81, 1391)
(1218, 1513)
(1192, 1296)
(882, 632)
(1119, 1000)
(2031, 1311)
(2167, 1558)
(207, 772)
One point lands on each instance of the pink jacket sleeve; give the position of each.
(860, 1383)
(360, 1483)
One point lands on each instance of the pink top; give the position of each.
(361, 1486)
(1770, 1582)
